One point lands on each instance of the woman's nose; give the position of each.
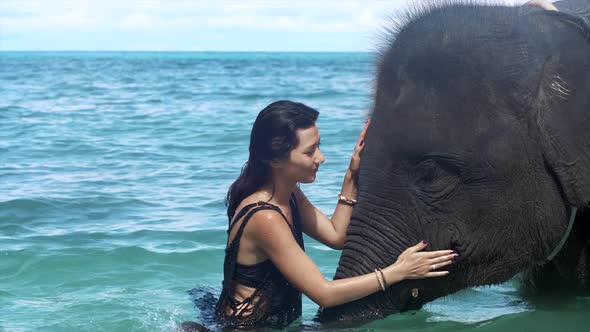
(321, 158)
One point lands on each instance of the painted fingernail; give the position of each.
(362, 142)
(424, 242)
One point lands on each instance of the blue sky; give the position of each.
(182, 25)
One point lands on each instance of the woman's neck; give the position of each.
(279, 191)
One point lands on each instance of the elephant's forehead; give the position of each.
(434, 123)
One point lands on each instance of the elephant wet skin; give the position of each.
(480, 143)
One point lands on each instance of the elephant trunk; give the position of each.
(369, 246)
(375, 240)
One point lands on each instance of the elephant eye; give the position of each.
(436, 177)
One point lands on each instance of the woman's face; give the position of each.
(305, 159)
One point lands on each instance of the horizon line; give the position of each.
(186, 51)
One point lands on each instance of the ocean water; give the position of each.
(113, 170)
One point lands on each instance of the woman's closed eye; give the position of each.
(312, 151)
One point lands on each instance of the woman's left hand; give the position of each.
(355, 160)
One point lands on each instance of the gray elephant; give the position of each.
(580, 8)
(480, 142)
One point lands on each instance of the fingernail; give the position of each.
(362, 142)
(424, 242)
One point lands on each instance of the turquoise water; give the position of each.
(113, 169)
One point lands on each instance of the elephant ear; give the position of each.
(563, 104)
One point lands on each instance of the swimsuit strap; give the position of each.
(241, 214)
(250, 210)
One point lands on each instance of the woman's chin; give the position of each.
(309, 180)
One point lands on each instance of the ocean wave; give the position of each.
(31, 204)
(154, 241)
(81, 201)
(36, 209)
(16, 112)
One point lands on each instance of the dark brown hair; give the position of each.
(272, 139)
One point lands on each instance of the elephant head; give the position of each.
(479, 142)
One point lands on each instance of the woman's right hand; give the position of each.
(417, 264)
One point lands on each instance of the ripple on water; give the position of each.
(478, 304)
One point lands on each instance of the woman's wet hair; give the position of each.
(272, 139)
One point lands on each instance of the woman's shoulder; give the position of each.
(251, 201)
(269, 229)
(266, 221)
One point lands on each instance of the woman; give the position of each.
(266, 268)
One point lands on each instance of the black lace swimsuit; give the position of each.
(275, 302)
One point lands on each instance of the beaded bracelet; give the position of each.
(347, 201)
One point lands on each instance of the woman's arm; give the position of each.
(273, 236)
(332, 232)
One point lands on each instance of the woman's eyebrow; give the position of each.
(313, 145)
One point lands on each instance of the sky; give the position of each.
(197, 25)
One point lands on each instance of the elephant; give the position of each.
(580, 8)
(479, 142)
